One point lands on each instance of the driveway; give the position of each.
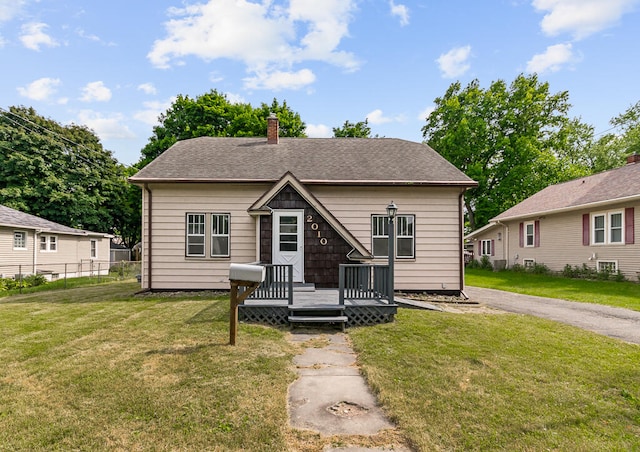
(618, 323)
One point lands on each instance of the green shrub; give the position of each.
(540, 269)
(518, 268)
(485, 263)
(33, 280)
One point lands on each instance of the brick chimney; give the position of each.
(272, 129)
(634, 158)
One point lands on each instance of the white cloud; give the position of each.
(318, 131)
(152, 110)
(147, 88)
(33, 36)
(9, 9)
(580, 18)
(377, 117)
(107, 127)
(41, 89)
(267, 37)
(424, 114)
(277, 80)
(455, 62)
(95, 91)
(552, 59)
(401, 11)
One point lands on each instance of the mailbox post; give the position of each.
(249, 276)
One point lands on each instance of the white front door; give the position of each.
(288, 240)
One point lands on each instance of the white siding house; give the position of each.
(315, 203)
(592, 221)
(30, 245)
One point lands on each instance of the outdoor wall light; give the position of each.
(499, 236)
(392, 210)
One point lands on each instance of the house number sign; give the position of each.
(315, 227)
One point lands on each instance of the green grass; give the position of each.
(502, 382)
(95, 368)
(618, 294)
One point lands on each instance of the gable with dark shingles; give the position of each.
(328, 160)
(609, 186)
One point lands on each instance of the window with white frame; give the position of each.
(607, 228)
(48, 243)
(607, 266)
(528, 263)
(404, 237)
(220, 235)
(485, 248)
(529, 234)
(195, 237)
(19, 240)
(94, 249)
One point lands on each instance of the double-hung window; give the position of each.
(48, 243)
(404, 236)
(220, 235)
(529, 234)
(19, 240)
(485, 248)
(94, 249)
(195, 235)
(607, 228)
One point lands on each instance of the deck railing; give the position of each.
(363, 282)
(277, 284)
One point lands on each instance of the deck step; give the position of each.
(317, 319)
(317, 307)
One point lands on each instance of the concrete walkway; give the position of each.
(614, 322)
(331, 396)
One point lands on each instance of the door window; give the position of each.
(288, 233)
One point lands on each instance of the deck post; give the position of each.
(392, 209)
(290, 285)
(341, 284)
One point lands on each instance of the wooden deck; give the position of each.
(317, 306)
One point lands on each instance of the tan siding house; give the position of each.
(30, 245)
(592, 221)
(313, 203)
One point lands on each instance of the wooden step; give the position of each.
(317, 319)
(317, 307)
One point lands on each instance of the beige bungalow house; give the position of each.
(33, 245)
(311, 203)
(592, 220)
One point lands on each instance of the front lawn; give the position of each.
(95, 368)
(612, 293)
(502, 382)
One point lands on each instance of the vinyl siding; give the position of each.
(10, 259)
(561, 243)
(436, 265)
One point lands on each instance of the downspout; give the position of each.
(461, 247)
(149, 237)
(36, 245)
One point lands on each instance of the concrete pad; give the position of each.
(330, 395)
(310, 399)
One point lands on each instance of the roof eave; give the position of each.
(466, 184)
(591, 205)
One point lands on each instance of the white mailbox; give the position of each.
(246, 272)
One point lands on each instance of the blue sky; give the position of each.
(115, 66)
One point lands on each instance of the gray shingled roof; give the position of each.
(14, 218)
(607, 187)
(328, 160)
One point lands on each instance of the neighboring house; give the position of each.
(314, 203)
(592, 220)
(30, 245)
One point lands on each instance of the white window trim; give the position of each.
(26, 237)
(396, 236)
(528, 262)
(485, 247)
(533, 234)
(227, 234)
(203, 234)
(93, 250)
(607, 227)
(607, 261)
(49, 240)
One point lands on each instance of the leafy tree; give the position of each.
(61, 173)
(350, 130)
(513, 140)
(212, 114)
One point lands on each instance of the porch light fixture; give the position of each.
(392, 210)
